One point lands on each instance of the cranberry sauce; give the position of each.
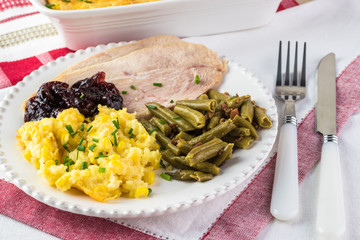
(85, 95)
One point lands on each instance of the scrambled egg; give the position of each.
(107, 157)
(87, 4)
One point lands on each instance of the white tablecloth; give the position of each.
(327, 26)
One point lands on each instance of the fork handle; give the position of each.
(285, 194)
(330, 220)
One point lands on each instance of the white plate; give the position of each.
(166, 196)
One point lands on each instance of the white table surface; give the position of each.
(327, 26)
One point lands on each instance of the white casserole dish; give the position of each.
(182, 18)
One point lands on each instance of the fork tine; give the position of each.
(295, 73)
(287, 71)
(278, 77)
(303, 71)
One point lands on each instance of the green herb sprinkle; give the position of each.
(165, 176)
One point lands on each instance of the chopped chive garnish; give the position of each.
(70, 129)
(150, 191)
(81, 140)
(82, 127)
(112, 144)
(151, 106)
(101, 155)
(153, 130)
(102, 170)
(130, 131)
(95, 140)
(84, 165)
(81, 148)
(116, 123)
(197, 79)
(133, 87)
(171, 101)
(88, 130)
(66, 159)
(132, 136)
(114, 135)
(56, 162)
(157, 84)
(162, 121)
(65, 0)
(91, 148)
(66, 147)
(77, 155)
(68, 163)
(177, 117)
(124, 92)
(162, 164)
(49, 5)
(73, 134)
(88, 1)
(82, 95)
(165, 176)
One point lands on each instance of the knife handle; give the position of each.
(285, 194)
(330, 212)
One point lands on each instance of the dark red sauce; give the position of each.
(85, 95)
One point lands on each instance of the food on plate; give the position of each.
(106, 156)
(88, 4)
(198, 136)
(85, 95)
(159, 73)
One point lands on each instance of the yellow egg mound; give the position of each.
(106, 157)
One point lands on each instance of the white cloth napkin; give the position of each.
(327, 26)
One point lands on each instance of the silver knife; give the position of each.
(330, 220)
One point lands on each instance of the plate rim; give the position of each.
(22, 184)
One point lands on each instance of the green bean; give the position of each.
(181, 163)
(225, 155)
(169, 116)
(169, 168)
(201, 177)
(160, 137)
(214, 120)
(207, 167)
(182, 174)
(244, 142)
(247, 111)
(205, 151)
(213, 94)
(203, 97)
(261, 118)
(168, 156)
(162, 125)
(217, 132)
(194, 117)
(239, 121)
(184, 135)
(208, 105)
(184, 146)
(236, 102)
(240, 132)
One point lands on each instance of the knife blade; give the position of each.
(326, 93)
(330, 221)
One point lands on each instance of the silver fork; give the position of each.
(285, 194)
